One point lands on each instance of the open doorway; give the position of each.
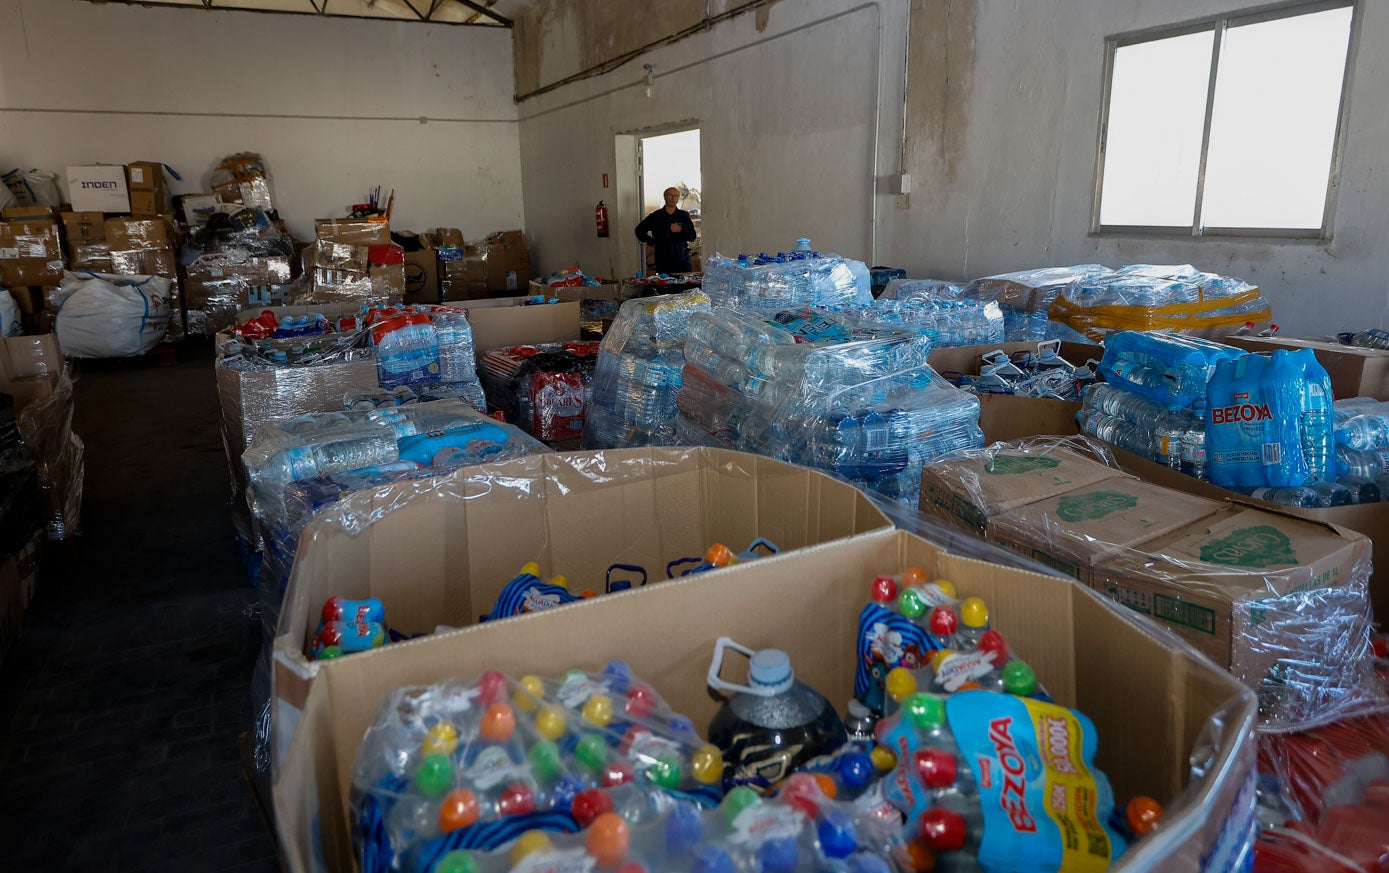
(671, 160)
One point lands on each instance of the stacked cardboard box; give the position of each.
(1276, 599)
(507, 260)
(149, 193)
(354, 259)
(31, 254)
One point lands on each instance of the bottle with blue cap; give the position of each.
(772, 725)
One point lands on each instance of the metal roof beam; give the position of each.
(478, 7)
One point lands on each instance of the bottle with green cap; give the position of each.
(773, 724)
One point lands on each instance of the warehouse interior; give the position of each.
(1076, 308)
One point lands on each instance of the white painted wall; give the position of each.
(788, 122)
(1011, 187)
(333, 105)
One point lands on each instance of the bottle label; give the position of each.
(574, 860)
(955, 670)
(758, 824)
(493, 767)
(1044, 808)
(577, 688)
(524, 594)
(886, 640)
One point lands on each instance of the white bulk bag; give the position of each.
(105, 316)
(9, 315)
(33, 187)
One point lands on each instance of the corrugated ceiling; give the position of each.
(495, 13)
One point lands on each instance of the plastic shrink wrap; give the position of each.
(638, 373)
(1147, 297)
(799, 278)
(1281, 602)
(823, 390)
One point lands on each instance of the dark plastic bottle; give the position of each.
(772, 725)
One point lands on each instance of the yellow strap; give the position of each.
(1095, 321)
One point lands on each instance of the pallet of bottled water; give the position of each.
(1026, 297)
(823, 389)
(800, 277)
(638, 373)
(945, 322)
(1152, 297)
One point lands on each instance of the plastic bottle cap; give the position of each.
(771, 669)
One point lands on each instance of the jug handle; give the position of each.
(716, 665)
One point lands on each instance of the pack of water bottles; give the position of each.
(543, 388)
(824, 390)
(1026, 299)
(1149, 297)
(1370, 338)
(1167, 369)
(946, 322)
(1173, 438)
(442, 433)
(476, 765)
(638, 372)
(801, 277)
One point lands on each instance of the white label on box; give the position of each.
(9, 254)
(137, 174)
(37, 250)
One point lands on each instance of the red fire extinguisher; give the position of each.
(600, 215)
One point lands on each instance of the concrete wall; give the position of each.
(784, 97)
(334, 105)
(1003, 116)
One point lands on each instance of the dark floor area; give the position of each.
(122, 701)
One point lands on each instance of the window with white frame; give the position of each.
(1227, 126)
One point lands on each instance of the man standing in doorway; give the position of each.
(670, 231)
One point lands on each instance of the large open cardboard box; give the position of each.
(439, 551)
(1003, 417)
(1354, 372)
(507, 321)
(1155, 701)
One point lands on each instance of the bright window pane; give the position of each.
(1277, 96)
(1157, 111)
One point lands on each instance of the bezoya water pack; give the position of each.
(1269, 421)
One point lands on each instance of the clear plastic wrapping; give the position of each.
(231, 263)
(45, 425)
(1147, 297)
(1281, 602)
(637, 375)
(543, 389)
(1324, 796)
(243, 178)
(946, 322)
(800, 278)
(824, 390)
(1026, 299)
(469, 765)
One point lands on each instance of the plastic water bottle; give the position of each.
(1317, 444)
(1333, 494)
(1167, 441)
(1371, 464)
(772, 725)
(1364, 432)
(803, 245)
(1374, 338)
(1364, 489)
(1300, 495)
(1194, 451)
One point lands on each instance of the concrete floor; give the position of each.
(121, 703)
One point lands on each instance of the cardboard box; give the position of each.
(133, 234)
(93, 256)
(969, 492)
(145, 262)
(422, 274)
(31, 252)
(197, 208)
(1073, 532)
(1004, 418)
(149, 203)
(1150, 697)
(1207, 578)
(1254, 586)
(100, 188)
(230, 279)
(1354, 372)
(506, 321)
(1370, 519)
(606, 291)
(84, 228)
(30, 213)
(353, 231)
(453, 555)
(145, 176)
